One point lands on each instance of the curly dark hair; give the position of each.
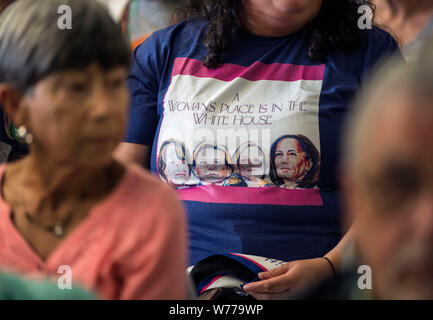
(335, 26)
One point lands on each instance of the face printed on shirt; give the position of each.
(252, 162)
(211, 165)
(174, 163)
(290, 160)
(176, 170)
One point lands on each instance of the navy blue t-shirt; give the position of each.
(252, 146)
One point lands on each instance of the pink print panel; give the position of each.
(235, 134)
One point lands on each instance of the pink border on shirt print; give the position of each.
(247, 195)
(256, 72)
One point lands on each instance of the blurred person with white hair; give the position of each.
(387, 180)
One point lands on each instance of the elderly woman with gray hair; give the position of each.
(68, 205)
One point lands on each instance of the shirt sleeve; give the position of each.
(143, 86)
(155, 267)
(380, 47)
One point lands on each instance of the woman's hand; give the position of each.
(290, 278)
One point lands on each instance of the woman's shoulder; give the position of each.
(178, 40)
(376, 45)
(379, 42)
(378, 35)
(182, 32)
(190, 25)
(379, 46)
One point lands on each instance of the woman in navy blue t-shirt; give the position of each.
(255, 72)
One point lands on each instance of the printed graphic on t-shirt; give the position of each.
(236, 126)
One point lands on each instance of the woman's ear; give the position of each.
(309, 165)
(11, 100)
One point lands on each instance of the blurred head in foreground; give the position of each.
(388, 179)
(64, 86)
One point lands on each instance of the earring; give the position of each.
(24, 135)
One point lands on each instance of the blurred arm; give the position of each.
(133, 153)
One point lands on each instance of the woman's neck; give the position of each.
(52, 184)
(256, 25)
(290, 184)
(270, 21)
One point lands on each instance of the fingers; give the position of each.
(274, 272)
(277, 284)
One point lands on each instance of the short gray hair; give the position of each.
(32, 45)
